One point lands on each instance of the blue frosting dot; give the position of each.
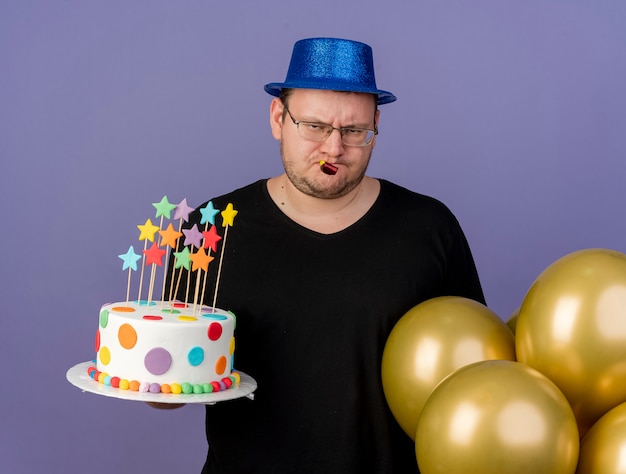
(195, 356)
(218, 317)
(145, 303)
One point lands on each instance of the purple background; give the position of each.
(511, 112)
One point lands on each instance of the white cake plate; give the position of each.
(79, 377)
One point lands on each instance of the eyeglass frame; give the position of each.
(331, 129)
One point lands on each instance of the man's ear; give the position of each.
(276, 118)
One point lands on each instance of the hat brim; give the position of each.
(274, 88)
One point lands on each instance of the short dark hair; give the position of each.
(284, 95)
(285, 92)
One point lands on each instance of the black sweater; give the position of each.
(313, 315)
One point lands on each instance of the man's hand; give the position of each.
(165, 406)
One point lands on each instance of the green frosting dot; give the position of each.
(104, 318)
(197, 389)
(234, 319)
(186, 387)
(207, 388)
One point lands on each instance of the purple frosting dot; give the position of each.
(154, 388)
(158, 361)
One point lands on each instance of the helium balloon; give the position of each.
(512, 321)
(603, 447)
(497, 417)
(431, 341)
(572, 328)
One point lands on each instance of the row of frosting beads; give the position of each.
(174, 388)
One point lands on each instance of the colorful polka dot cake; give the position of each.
(170, 346)
(165, 348)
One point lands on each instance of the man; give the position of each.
(321, 263)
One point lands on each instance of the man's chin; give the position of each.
(331, 188)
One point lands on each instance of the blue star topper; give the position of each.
(130, 259)
(208, 213)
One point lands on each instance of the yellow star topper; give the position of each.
(147, 231)
(228, 215)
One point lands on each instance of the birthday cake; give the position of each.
(165, 348)
(169, 345)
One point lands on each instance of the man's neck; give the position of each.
(325, 216)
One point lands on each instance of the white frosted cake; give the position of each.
(165, 348)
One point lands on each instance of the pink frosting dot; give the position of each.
(215, 331)
(158, 361)
(151, 317)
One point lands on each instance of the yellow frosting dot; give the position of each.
(232, 345)
(102, 376)
(105, 355)
(124, 384)
(237, 377)
(187, 318)
(176, 388)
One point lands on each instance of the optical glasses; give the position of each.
(319, 132)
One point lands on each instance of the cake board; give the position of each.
(78, 376)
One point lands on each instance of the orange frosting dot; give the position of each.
(220, 365)
(127, 336)
(123, 309)
(165, 388)
(133, 385)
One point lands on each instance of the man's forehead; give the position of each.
(313, 94)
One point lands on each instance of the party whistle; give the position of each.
(327, 168)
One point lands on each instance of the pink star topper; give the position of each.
(211, 238)
(154, 255)
(182, 210)
(193, 237)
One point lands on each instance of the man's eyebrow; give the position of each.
(320, 122)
